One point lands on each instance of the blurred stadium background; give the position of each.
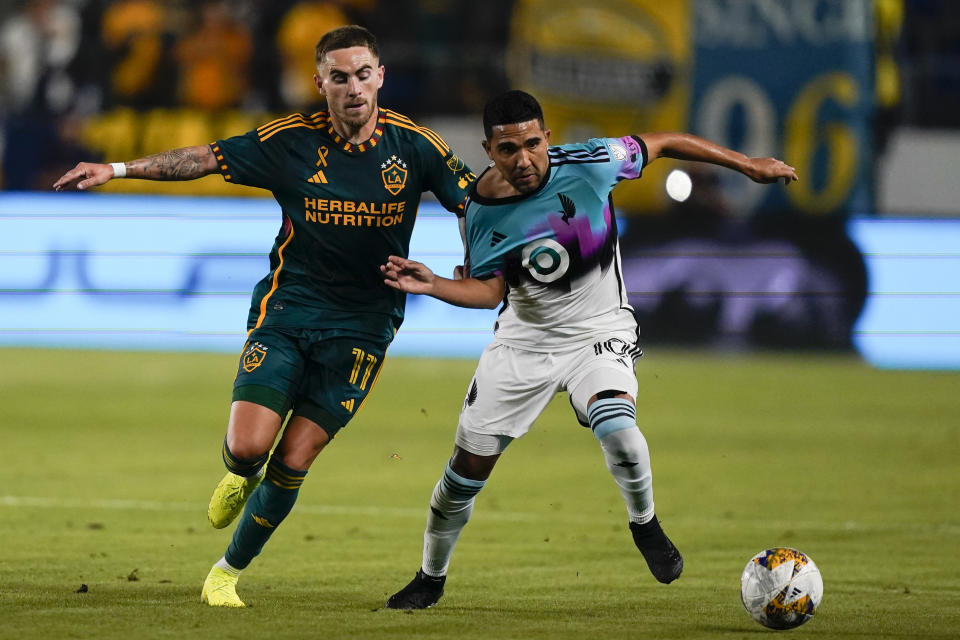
(861, 96)
(111, 453)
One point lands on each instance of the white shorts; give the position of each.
(512, 387)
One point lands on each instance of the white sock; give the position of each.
(450, 507)
(223, 564)
(628, 460)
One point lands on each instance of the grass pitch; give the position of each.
(109, 460)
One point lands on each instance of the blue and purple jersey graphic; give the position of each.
(564, 229)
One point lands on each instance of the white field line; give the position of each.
(851, 526)
(195, 507)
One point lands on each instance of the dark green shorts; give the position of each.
(322, 378)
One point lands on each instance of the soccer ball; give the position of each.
(781, 588)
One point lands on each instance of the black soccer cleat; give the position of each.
(423, 592)
(665, 562)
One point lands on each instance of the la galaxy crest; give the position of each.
(394, 174)
(253, 356)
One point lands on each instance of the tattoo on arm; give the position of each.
(186, 163)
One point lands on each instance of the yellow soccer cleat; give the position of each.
(220, 589)
(229, 497)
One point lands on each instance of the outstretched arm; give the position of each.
(414, 277)
(684, 146)
(187, 163)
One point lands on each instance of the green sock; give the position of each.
(265, 510)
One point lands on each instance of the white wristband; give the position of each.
(119, 169)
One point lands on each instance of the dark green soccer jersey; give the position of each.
(345, 208)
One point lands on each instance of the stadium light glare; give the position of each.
(679, 185)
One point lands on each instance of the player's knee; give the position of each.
(298, 459)
(299, 454)
(456, 490)
(625, 445)
(302, 441)
(243, 460)
(472, 466)
(611, 414)
(607, 394)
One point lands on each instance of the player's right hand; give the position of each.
(84, 176)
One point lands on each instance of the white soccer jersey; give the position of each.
(557, 248)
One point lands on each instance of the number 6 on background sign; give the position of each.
(804, 136)
(813, 137)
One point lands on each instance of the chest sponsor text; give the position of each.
(350, 213)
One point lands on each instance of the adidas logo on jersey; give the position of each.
(497, 238)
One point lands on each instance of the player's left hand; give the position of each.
(769, 170)
(407, 275)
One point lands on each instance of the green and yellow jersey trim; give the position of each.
(400, 120)
(221, 162)
(276, 280)
(363, 146)
(321, 120)
(317, 120)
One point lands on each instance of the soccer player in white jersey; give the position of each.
(542, 240)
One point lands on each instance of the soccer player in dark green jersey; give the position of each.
(348, 181)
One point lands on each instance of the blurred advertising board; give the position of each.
(101, 271)
(911, 319)
(609, 68)
(123, 133)
(791, 79)
(172, 273)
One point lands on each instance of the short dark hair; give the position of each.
(352, 35)
(509, 108)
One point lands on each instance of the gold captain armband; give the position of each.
(353, 214)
